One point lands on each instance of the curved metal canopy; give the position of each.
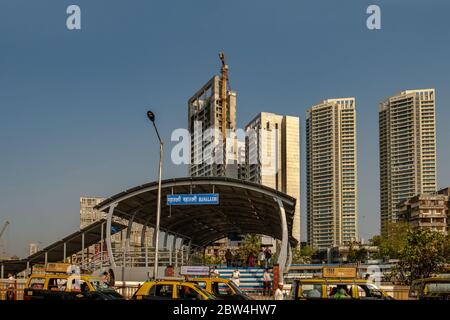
(244, 208)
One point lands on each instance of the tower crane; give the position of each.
(224, 94)
(5, 225)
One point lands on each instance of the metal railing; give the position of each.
(138, 257)
(12, 289)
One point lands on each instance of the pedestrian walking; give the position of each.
(261, 258)
(236, 277)
(228, 257)
(251, 260)
(279, 295)
(267, 279)
(10, 293)
(268, 254)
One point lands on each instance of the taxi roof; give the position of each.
(431, 279)
(211, 279)
(326, 280)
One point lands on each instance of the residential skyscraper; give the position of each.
(331, 173)
(273, 156)
(407, 149)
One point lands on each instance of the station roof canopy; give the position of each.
(244, 208)
(55, 251)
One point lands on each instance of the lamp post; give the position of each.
(151, 117)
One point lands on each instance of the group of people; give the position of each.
(267, 282)
(264, 259)
(109, 278)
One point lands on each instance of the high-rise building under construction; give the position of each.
(212, 124)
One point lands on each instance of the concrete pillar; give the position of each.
(65, 252)
(102, 243)
(166, 239)
(282, 257)
(82, 249)
(143, 240)
(108, 234)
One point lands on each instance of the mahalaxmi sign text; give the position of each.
(192, 199)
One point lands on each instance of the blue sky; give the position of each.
(73, 103)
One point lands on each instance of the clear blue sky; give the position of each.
(73, 103)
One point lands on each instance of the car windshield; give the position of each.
(437, 287)
(206, 293)
(100, 285)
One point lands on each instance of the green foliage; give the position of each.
(391, 245)
(302, 255)
(356, 254)
(250, 244)
(197, 258)
(423, 255)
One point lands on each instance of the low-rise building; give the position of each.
(426, 211)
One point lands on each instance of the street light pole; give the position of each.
(151, 116)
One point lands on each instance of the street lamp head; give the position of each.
(151, 116)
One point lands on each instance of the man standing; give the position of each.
(266, 282)
(279, 292)
(261, 258)
(11, 287)
(235, 277)
(268, 254)
(228, 257)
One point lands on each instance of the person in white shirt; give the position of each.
(261, 258)
(279, 292)
(11, 287)
(266, 282)
(235, 277)
(214, 272)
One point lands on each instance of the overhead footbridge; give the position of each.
(242, 208)
(63, 249)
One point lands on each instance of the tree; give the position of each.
(423, 255)
(391, 245)
(356, 255)
(302, 255)
(250, 244)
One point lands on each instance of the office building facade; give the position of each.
(273, 156)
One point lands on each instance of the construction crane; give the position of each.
(224, 93)
(5, 225)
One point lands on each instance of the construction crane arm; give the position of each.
(4, 228)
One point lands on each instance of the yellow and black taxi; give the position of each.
(171, 290)
(434, 288)
(337, 283)
(223, 289)
(54, 282)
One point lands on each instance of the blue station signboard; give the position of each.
(192, 199)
